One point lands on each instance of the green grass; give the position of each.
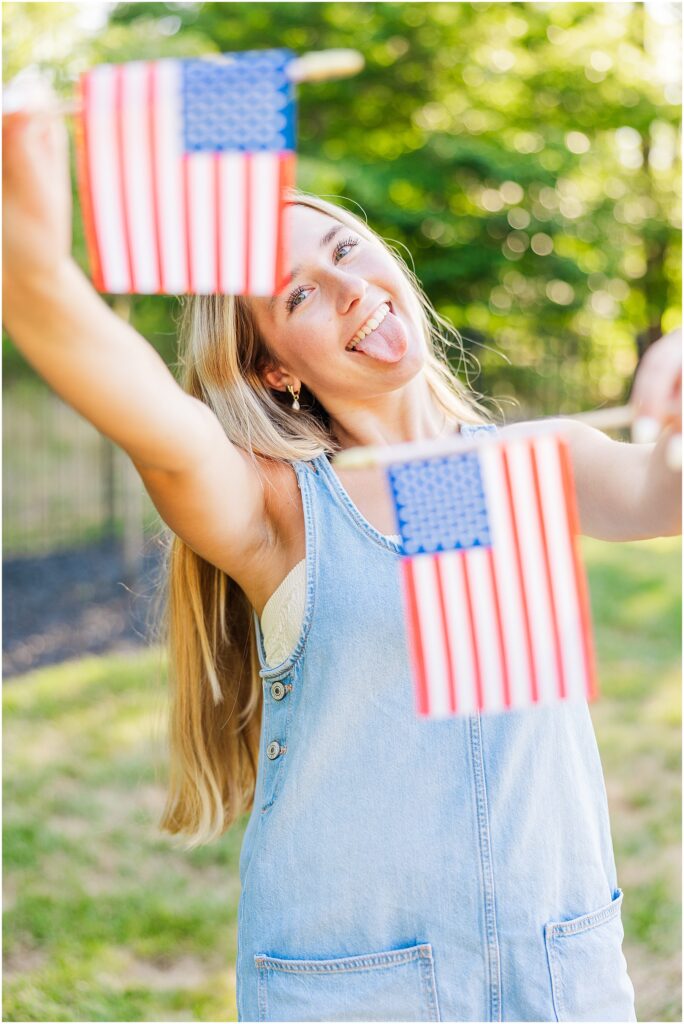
(636, 604)
(106, 919)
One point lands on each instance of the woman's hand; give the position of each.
(36, 193)
(657, 394)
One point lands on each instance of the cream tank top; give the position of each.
(281, 619)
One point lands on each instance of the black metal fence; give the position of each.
(64, 485)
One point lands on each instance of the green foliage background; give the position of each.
(525, 154)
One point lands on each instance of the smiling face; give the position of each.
(345, 289)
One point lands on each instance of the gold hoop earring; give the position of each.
(295, 397)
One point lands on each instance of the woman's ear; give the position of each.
(277, 378)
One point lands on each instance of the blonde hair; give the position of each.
(207, 623)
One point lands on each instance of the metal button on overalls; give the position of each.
(277, 691)
(273, 749)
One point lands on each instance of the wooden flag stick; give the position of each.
(374, 455)
(606, 419)
(323, 65)
(27, 92)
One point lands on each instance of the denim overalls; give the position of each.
(397, 868)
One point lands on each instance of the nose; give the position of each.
(351, 290)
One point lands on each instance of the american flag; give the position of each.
(182, 168)
(496, 599)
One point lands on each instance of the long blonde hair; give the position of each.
(215, 687)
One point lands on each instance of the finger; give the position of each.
(672, 416)
(673, 452)
(657, 384)
(666, 351)
(13, 125)
(30, 90)
(645, 429)
(34, 135)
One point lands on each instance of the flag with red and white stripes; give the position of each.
(495, 594)
(182, 171)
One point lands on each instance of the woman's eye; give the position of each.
(348, 243)
(293, 300)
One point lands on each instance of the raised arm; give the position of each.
(624, 491)
(211, 492)
(87, 354)
(103, 368)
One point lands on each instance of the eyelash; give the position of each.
(291, 304)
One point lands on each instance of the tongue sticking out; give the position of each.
(387, 343)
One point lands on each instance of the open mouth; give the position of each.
(371, 325)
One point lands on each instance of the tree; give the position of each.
(525, 154)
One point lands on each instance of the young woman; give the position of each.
(393, 868)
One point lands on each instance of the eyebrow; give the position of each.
(327, 237)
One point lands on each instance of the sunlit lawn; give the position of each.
(106, 920)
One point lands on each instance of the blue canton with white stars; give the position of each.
(240, 102)
(440, 504)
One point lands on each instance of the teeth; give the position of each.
(370, 325)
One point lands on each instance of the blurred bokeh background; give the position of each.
(525, 157)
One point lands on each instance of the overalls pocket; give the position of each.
(395, 985)
(589, 976)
